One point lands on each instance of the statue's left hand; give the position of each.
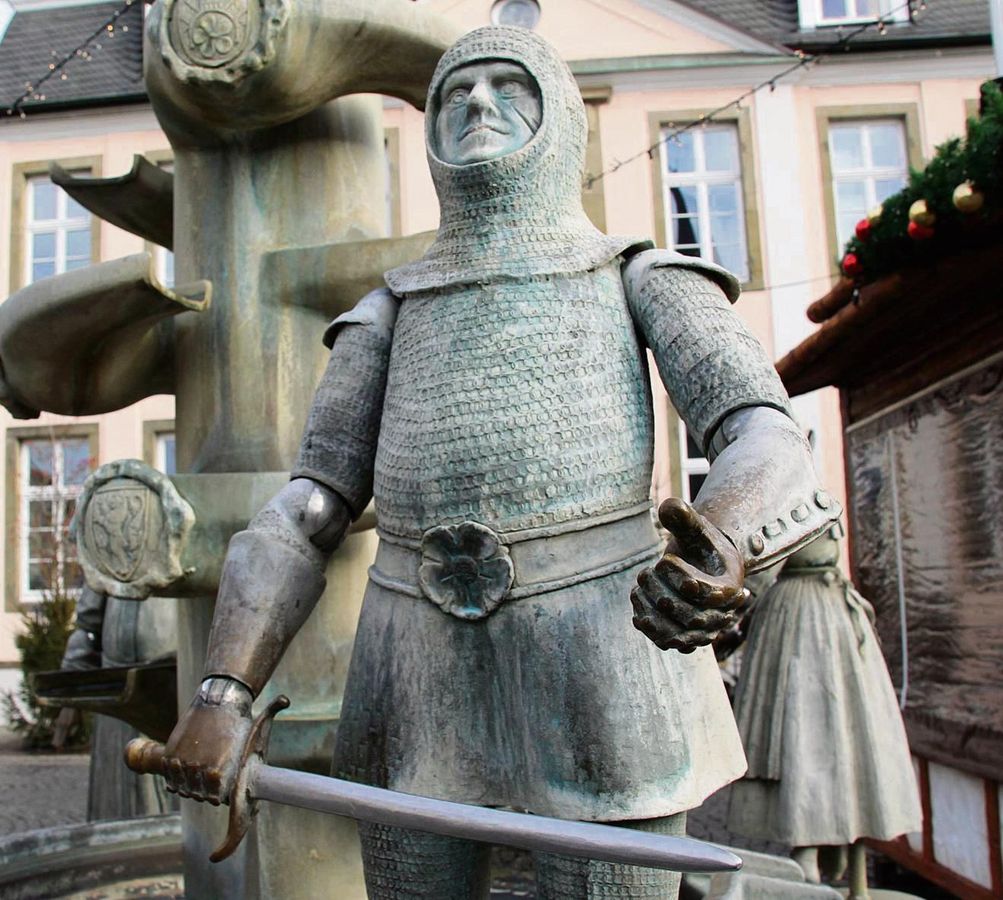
(692, 593)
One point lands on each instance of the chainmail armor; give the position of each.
(710, 363)
(567, 877)
(339, 443)
(520, 214)
(515, 404)
(413, 865)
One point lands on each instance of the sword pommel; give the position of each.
(145, 757)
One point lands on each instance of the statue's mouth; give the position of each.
(480, 128)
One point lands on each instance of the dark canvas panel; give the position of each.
(937, 459)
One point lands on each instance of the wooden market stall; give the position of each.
(918, 359)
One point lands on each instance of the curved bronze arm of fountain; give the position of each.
(100, 338)
(276, 60)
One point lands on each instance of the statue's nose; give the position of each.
(481, 98)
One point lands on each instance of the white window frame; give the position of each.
(810, 14)
(61, 225)
(689, 465)
(869, 174)
(56, 493)
(702, 180)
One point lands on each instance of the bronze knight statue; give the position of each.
(494, 399)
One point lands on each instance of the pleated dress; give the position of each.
(828, 756)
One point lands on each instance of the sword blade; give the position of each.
(493, 826)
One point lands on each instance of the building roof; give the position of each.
(37, 38)
(942, 22)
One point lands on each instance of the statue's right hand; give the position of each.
(203, 753)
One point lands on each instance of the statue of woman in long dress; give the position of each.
(829, 762)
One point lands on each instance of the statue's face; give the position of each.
(486, 110)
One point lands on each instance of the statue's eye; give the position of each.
(457, 96)
(511, 88)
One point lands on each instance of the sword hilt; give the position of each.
(146, 757)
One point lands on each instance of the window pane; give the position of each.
(865, 9)
(833, 9)
(685, 225)
(74, 210)
(684, 235)
(847, 149)
(680, 153)
(40, 513)
(684, 200)
(39, 463)
(76, 461)
(846, 224)
(724, 231)
(42, 544)
(78, 263)
(721, 150)
(43, 245)
(887, 145)
(885, 187)
(723, 198)
(38, 575)
(693, 450)
(42, 270)
(43, 199)
(69, 508)
(695, 483)
(851, 195)
(732, 258)
(78, 243)
(170, 466)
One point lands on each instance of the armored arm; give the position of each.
(761, 499)
(273, 574)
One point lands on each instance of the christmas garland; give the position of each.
(954, 204)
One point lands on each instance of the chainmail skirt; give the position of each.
(554, 704)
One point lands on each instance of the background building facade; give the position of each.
(683, 148)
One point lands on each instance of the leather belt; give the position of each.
(468, 570)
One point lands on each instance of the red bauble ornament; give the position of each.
(863, 229)
(919, 232)
(852, 266)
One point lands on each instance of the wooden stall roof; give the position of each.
(904, 332)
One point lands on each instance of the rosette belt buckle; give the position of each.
(465, 569)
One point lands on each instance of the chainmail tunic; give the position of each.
(518, 404)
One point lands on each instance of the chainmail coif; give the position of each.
(520, 214)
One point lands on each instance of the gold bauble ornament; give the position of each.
(874, 215)
(967, 199)
(921, 214)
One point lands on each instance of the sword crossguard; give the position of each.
(243, 806)
(146, 757)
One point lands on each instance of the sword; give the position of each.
(256, 780)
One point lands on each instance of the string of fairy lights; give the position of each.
(803, 61)
(86, 48)
(84, 51)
